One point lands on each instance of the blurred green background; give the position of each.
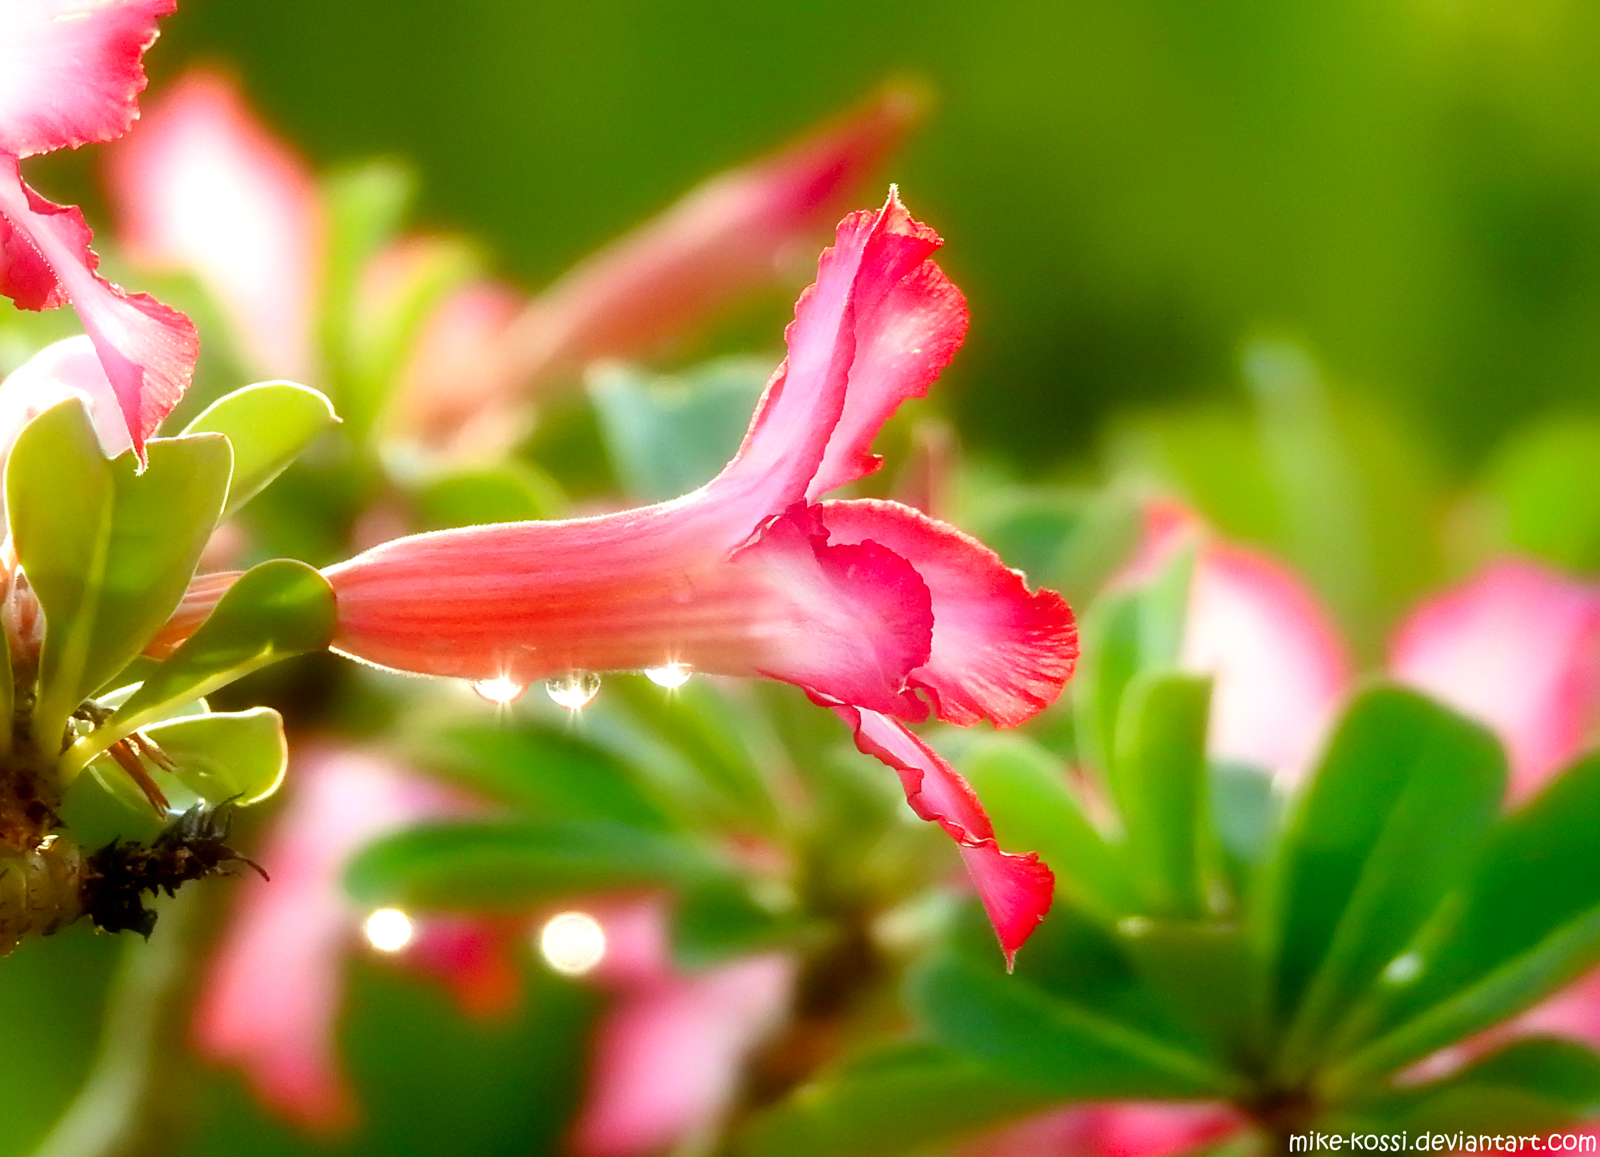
(1128, 187)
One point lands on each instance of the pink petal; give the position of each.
(475, 957)
(668, 1054)
(1116, 1129)
(667, 583)
(201, 185)
(725, 238)
(526, 601)
(204, 593)
(271, 997)
(999, 652)
(1016, 890)
(1518, 648)
(1279, 666)
(459, 362)
(64, 370)
(148, 351)
(71, 71)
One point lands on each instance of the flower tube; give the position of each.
(871, 607)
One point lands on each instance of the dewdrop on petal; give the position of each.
(670, 676)
(572, 943)
(500, 690)
(389, 930)
(573, 690)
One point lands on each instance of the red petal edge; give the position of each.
(1000, 652)
(1016, 890)
(147, 349)
(71, 70)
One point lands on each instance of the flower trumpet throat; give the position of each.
(876, 610)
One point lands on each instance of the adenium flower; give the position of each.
(669, 1052)
(270, 1001)
(201, 185)
(70, 74)
(876, 610)
(1516, 646)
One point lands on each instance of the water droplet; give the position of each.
(669, 676)
(572, 943)
(574, 689)
(499, 690)
(389, 930)
(1404, 969)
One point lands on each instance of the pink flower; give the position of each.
(669, 1052)
(271, 999)
(202, 185)
(1114, 1129)
(70, 74)
(875, 609)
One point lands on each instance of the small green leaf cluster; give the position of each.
(104, 557)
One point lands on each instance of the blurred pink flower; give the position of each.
(873, 608)
(1117, 1129)
(201, 185)
(70, 74)
(669, 1052)
(1516, 647)
(270, 1000)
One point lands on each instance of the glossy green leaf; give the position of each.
(1531, 1085)
(226, 756)
(1390, 824)
(1024, 789)
(1210, 975)
(269, 425)
(1159, 781)
(1124, 633)
(478, 864)
(901, 1098)
(275, 610)
(109, 551)
(667, 434)
(1529, 921)
(1038, 1039)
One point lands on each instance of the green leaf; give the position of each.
(497, 864)
(109, 551)
(365, 207)
(226, 756)
(1159, 780)
(384, 329)
(727, 916)
(1542, 493)
(1124, 633)
(899, 1098)
(269, 425)
(667, 434)
(275, 610)
(1528, 923)
(1391, 823)
(506, 492)
(540, 770)
(1058, 1046)
(1024, 790)
(1532, 1085)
